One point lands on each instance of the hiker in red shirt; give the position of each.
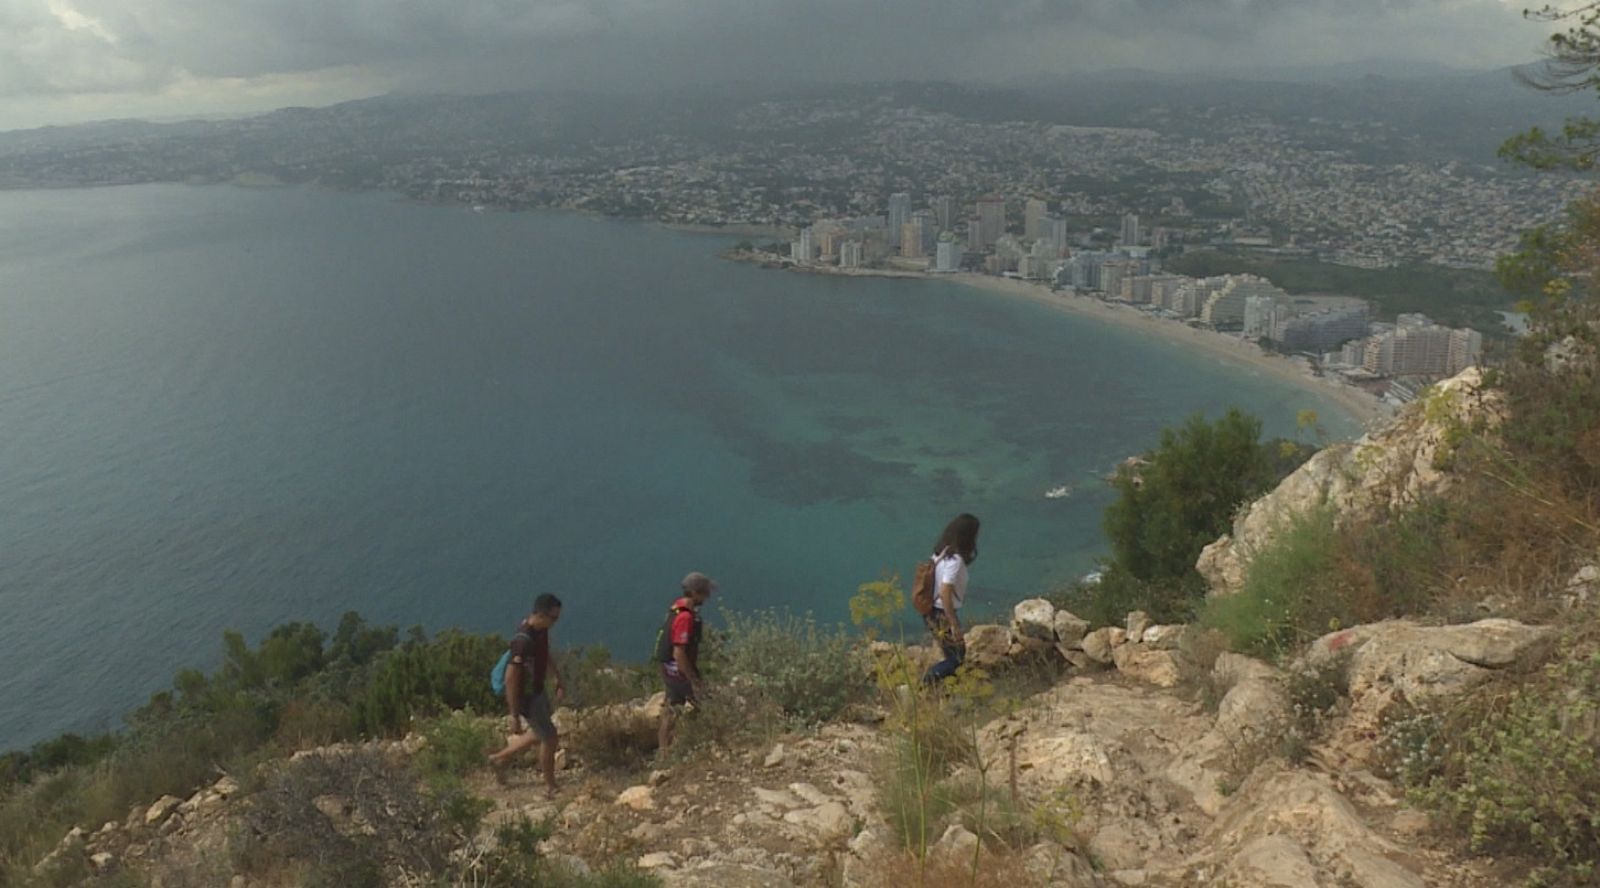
(678, 652)
(525, 697)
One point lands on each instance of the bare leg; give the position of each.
(547, 763)
(514, 744)
(664, 729)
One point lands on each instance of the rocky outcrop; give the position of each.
(1402, 662)
(1387, 469)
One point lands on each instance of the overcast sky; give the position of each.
(72, 60)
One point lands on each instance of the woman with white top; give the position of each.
(957, 548)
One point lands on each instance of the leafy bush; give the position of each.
(1525, 777)
(1287, 585)
(1176, 501)
(457, 744)
(424, 677)
(810, 673)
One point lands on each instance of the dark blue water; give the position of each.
(223, 408)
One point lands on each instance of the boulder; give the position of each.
(1034, 618)
(161, 810)
(774, 758)
(1138, 621)
(639, 798)
(1164, 638)
(987, 645)
(1070, 629)
(1429, 662)
(957, 843)
(1076, 659)
(1099, 643)
(826, 823)
(1159, 668)
(658, 860)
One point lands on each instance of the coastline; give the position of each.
(1366, 408)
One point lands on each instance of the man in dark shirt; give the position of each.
(526, 700)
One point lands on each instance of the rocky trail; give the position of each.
(1152, 786)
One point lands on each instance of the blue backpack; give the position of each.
(497, 675)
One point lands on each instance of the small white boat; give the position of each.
(479, 208)
(1064, 490)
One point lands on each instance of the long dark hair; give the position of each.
(961, 537)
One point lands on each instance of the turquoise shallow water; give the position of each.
(223, 408)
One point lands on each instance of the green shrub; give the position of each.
(1288, 589)
(424, 677)
(810, 673)
(593, 679)
(1525, 778)
(1315, 692)
(457, 744)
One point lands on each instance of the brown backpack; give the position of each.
(922, 584)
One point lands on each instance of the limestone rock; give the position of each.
(1034, 618)
(1099, 643)
(1386, 470)
(1164, 638)
(827, 823)
(1077, 659)
(774, 758)
(957, 843)
(102, 861)
(658, 860)
(1159, 668)
(1070, 630)
(1271, 862)
(1429, 662)
(161, 810)
(987, 645)
(1305, 808)
(1050, 864)
(1064, 758)
(726, 875)
(639, 798)
(1138, 621)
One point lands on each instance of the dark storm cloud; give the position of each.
(68, 46)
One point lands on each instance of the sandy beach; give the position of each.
(1365, 407)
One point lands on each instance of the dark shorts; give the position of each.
(679, 690)
(536, 711)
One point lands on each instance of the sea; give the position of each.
(226, 408)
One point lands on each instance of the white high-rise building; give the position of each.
(1033, 213)
(850, 254)
(945, 210)
(1224, 308)
(991, 220)
(899, 215)
(1130, 230)
(947, 257)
